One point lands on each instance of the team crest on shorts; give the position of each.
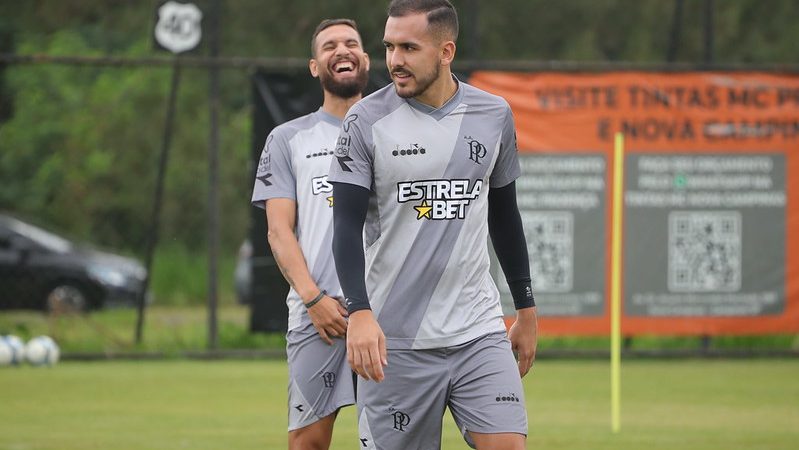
(329, 379)
(401, 419)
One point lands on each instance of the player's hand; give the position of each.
(523, 335)
(366, 346)
(327, 317)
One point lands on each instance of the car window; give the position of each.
(41, 237)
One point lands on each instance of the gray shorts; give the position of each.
(320, 379)
(479, 382)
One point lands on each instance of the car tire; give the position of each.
(66, 298)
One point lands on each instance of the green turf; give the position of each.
(174, 330)
(167, 330)
(178, 404)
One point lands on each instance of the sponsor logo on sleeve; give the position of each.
(343, 152)
(343, 143)
(265, 164)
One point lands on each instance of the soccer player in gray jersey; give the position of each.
(291, 184)
(425, 170)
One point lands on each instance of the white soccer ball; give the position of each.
(12, 350)
(41, 351)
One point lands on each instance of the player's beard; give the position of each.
(422, 83)
(347, 88)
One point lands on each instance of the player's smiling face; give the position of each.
(340, 62)
(412, 54)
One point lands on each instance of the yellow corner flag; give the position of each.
(615, 285)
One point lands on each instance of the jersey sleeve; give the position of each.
(354, 154)
(507, 167)
(274, 177)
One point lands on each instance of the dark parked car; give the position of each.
(42, 270)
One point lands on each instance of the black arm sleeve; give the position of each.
(510, 245)
(350, 203)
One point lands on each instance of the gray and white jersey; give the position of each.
(294, 164)
(426, 232)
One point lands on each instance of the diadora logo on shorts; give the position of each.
(413, 149)
(477, 151)
(508, 398)
(319, 185)
(440, 199)
(329, 379)
(401, 419)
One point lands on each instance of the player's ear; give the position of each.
(447, 52)
(313, 66)
(366, 60)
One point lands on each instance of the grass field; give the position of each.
(181, 404)
(173, 330)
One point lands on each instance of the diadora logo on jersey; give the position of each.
(413, 149)
(477, 151)
(319, 185)
(440, 199)
(321, 152)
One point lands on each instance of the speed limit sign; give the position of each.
(178, 27)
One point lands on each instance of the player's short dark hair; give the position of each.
(329, 23)
(441, 14)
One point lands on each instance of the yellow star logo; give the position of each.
(330, 201)
(423, 210)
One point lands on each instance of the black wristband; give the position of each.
(356, 304)
(316, 299)
(522, 292)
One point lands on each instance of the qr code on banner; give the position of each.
(704, 251)
(550, 243)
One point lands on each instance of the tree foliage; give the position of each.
(79, 145)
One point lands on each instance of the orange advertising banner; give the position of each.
(711, 198)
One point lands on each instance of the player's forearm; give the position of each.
(510, 245)
(528, 316)
(292, 264)
(349, 215)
